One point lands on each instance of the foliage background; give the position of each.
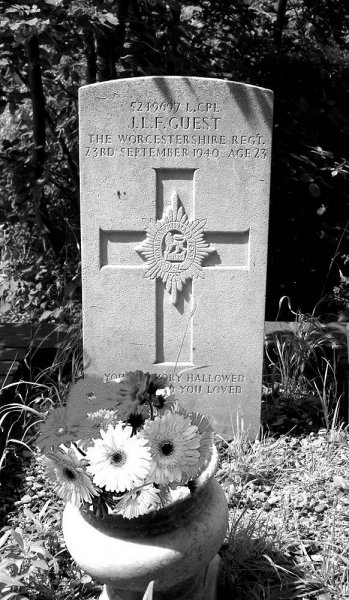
(49, 48)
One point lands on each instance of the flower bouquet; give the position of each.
(124, 447)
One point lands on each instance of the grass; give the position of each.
(289, 537)
(287, 491)
(43, 388)
(288, 534)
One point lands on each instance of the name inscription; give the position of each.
(202, 383)
(171, 129)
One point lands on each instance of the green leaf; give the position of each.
(149, 591)
(4, 537)
(340, 482)
(33, 518)
(44, 509)
(15, 26)
(39, 564)
(111, 19)
(314, 190)
(45, 315)
(15, 595)
(40, 550)
(321, 210)
(5, 578)
(307, 178)
(18, 538)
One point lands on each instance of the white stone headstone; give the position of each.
(174, 214)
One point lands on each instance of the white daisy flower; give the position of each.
(139, 501)
(174, 444)
(118, 462)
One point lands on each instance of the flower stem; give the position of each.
(79, 449)
(151, 410)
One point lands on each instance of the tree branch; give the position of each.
(280, 23)
(31, 45)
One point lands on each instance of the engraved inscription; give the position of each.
(174, 248)
(174, 129)
(247, 146)
(172, 106)
(154, 145)
(199, 383)
(182, 123)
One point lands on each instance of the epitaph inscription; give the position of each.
(192, 383)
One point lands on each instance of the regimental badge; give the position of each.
(175, 248)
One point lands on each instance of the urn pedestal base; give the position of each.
(201, 587)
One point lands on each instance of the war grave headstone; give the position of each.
(174, 213)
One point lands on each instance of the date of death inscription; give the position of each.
(176, 145)
(203, 383)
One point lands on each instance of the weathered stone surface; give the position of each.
(174, 211)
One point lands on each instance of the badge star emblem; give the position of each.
(174, 248)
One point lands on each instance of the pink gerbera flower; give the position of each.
(174, 444)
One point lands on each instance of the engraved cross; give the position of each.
(176, 249)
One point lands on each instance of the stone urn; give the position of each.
(174, 547)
